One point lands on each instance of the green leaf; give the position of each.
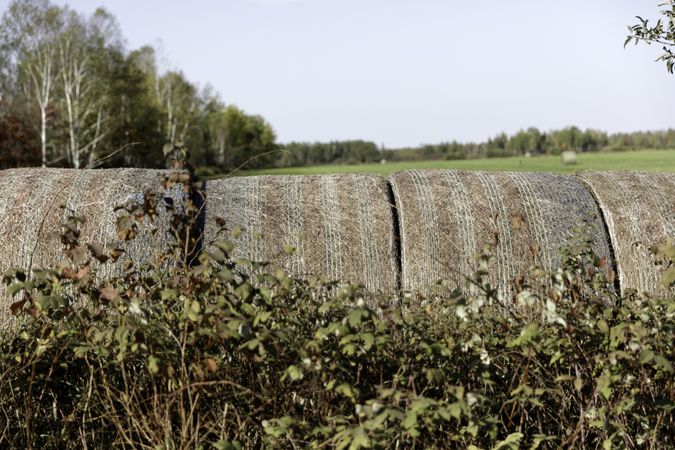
(289, 249)
(663, 363)
(410, 420)
(455, 410)
(252, 344)
(227, 445)
(13, 289)
(538, 439)
(668, 278)
(236, 232)
(526, 335)
(578, 384)
(511, 441)
(265, 292)
(354, 318)
(244, 291)
(169, 294)
(295, 373)
(604, 385)
(346, 390)
(81, 351)
(226, 246)
(225, 275)
(153, 364)
(278, 427)
(646, 356)
(44, 302)
(349, 349)
(193, 312)
(368, 340)
(360, 439)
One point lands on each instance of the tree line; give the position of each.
(532, 141)
(72, 95)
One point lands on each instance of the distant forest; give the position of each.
(531, 141)
(72, 95)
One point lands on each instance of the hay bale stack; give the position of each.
(31, 214)
(448, 217)
(639, 210)
(340, 225)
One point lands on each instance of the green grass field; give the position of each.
(657, 160)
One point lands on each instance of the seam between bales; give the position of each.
(605, 224)
(397, 232)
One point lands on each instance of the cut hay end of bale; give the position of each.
(639, 210)
(448, 217)
(34, 203)
(340, 226)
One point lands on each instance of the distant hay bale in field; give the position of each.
(639, 210)
(448, 217)
(31, 215)
(340, 225)
(568, 157)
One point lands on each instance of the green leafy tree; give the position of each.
(497, 145)
(247, 139)
(519, 143)
(134, 115)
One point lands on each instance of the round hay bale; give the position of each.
(31, 215)
(340, 226)
(568, 157)
(639, 210)
(448, 217)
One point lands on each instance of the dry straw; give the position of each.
(31, 215)
(448, 217)
(340, 226)
(639, 210)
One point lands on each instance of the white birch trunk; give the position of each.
(82, 102)
(41, 77)
(188, 118)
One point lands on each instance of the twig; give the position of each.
(121, 149)
(231, 173)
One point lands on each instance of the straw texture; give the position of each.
(31, 215)
(639, 210)
(341, 226)
(448, 217)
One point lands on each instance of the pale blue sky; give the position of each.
(410, 72)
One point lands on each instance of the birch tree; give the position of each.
(39, 69)
(83, 83)
(29, 32)
(74, 76)
(180, 101)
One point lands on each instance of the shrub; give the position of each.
(207, 356)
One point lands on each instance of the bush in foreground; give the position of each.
(225, 355)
